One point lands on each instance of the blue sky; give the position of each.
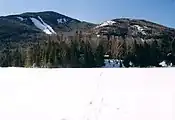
(159, 11)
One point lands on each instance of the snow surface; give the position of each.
(112, 63)
(164, 64)
(20, 18)
(142, 40)
(48, 26)
(109, 22)
(140, 29)
(98, 36)
(87, 94)
(61, 20)
(130, 63)
(43, 26)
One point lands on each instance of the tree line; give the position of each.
(79, 51)
(55, 53)
(144, 53)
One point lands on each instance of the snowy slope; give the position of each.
(72, 94)
(20, 18)
(42, 26)
(106, 23)
(62, 20)
(140, 29)
(48, 26)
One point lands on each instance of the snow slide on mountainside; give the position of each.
(43, 26)
(87, 94)
(48, 26)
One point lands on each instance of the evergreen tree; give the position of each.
(47, 51)
(173, 47)
(34, 55)
(29, 57)
(82, 53)
(120, 64)
(23, 58)
(129, 55)
(57, 55)
(145, 56)
(6, 60)
(42, 57)
(38, 58)
(64, 54)
(17, 58)
(135, 53)
(75, 54)
(53, 56)
(99, 56)
(165, 46)
(155, 53)
(37, 55)
(173, 52)
(89, 56)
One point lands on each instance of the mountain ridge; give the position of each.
(54, 36)
(155, 22)
(50, 22)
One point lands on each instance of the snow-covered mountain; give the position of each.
(40, 24)
(27, 25)
(48, 22)
(106, 23)
(133, 28)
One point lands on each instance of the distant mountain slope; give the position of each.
(16, 26)
(26, 36)
(26, 26)
(133, 28)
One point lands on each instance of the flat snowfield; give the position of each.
(87, 94)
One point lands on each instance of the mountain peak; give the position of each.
(132, 28)
(47, 22)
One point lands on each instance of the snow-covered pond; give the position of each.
(87, 94)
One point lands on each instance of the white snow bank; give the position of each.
(43, 26)
(81, 94)
(164, 64)
(20, 18)
(110, 22)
